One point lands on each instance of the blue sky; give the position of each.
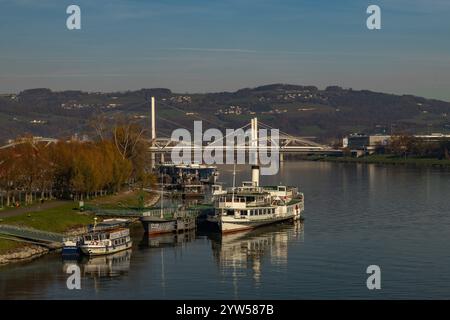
(212, 45)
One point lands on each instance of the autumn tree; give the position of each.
(8, 173)
(129, 139)
(75, 169)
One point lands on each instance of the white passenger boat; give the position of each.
(251, 205)
(110, 236)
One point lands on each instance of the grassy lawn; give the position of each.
(66, 216)
(22, 205)
(124, 200)
(8, 245)
(59, 219)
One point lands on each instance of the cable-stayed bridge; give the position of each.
(286, 143)
(163, 144)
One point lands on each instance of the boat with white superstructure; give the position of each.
(250, 206)
(107, 237)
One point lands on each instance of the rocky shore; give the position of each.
(28, 252)
(33, 251)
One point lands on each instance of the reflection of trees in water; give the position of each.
(23, 280)
(244, 251)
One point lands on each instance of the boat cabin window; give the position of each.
(94, 237)
(119, 241)
(230, 199)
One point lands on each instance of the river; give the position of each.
(356, 215)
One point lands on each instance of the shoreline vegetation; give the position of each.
(43, 184)
(66, 218)
(385, 159)
(401, 149)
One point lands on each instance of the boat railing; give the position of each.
(170, 212)
(110, 212)
(73, 238)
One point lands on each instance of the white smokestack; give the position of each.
(255, 175)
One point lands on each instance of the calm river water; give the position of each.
(356, 215)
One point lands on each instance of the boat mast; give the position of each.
(234, 181)
(153, 128)
(162, 197)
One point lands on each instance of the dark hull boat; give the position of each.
(71, 249)
(156, 225)
(184, 174)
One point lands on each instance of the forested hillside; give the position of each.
(300, 110)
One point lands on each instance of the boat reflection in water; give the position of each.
(168, 239)
(243, 252)
(112, 265)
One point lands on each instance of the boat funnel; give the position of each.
(255, 175)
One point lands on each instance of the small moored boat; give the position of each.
(110, 236)
(71, 247)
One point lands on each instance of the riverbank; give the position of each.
(15, 251)
(26, 253)
(385, 160)
(65, 218)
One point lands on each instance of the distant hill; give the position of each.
(299, 110)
